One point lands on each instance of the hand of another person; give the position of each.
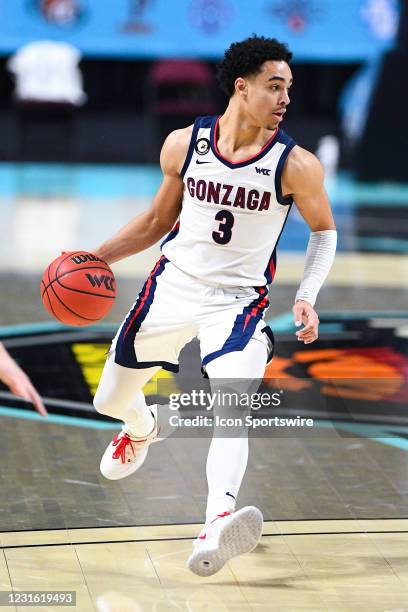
(18, 382)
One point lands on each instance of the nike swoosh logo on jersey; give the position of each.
(202, 162)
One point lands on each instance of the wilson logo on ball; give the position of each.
(97, 280)
(78, 259)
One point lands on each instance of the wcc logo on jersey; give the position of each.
(264, 171)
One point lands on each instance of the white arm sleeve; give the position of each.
(319, 259)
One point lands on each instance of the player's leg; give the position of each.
(150, 338)
(242, 372)
(236, 346)
(120, 396)
(227, 533)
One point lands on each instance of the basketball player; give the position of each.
(18, 382)
(228, 186)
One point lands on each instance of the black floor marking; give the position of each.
(186, 538)
(295, 520)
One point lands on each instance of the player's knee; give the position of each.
(104, 404)
(115, 405)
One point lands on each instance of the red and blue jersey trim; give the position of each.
(125, 347)
(243, 162)
(172, 234)
(270, 270)
(244, 326)
(200, 122)
(289, 144)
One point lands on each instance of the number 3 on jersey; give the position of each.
(223, 235)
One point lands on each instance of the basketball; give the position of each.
(78, 288)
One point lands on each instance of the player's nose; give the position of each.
(285, 100)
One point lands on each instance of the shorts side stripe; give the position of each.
(244, 326)
(125, 347)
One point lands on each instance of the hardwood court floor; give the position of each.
(49, 472)
(334, 565)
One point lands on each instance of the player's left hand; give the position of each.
(304, 312)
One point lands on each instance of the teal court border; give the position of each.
(379, 433)
(391, 435)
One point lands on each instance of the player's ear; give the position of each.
(241, 86)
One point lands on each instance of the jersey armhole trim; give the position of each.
(191, 146)
(285, 201)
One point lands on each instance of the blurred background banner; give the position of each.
(89, 90)
(329, 31)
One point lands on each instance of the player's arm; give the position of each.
(148, 227)
(302, 179)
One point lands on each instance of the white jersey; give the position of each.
(233, 213)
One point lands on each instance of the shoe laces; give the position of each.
(123, 443)
(204, 535)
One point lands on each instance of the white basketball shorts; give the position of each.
(174, 307)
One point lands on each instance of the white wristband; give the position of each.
(319, 259)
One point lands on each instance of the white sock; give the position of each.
(138, 418)
(218, 504)
(227, 457)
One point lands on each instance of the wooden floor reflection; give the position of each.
(332, 565)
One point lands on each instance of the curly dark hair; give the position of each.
(246, 58)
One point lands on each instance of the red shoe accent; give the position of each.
(122, 443)
(203, 537)
(221, 515)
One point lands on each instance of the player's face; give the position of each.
(268, 94)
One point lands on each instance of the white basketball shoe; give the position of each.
(126, 454)
(228, 535)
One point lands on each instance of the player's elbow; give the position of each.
(160, 224)
(322, 227)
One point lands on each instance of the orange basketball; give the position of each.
(78, 288)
